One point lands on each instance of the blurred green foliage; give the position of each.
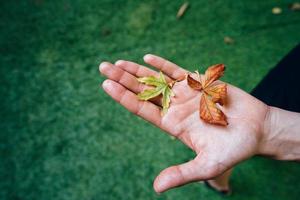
(62, 137)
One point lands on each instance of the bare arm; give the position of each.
(282, 135)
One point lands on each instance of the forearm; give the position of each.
(281, 135)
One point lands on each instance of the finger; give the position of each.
(167, 67)
(124, 78)
(137, 70)
(116, 74)
(194, 170)
(175, 176)
(129, 100)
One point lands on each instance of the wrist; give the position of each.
(281, 135)
(265, 146)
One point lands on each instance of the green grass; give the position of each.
(63, 138)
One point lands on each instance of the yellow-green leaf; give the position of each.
(162, 78)
(166, 99)
(161, 87)
(151, 93)
(150, 80)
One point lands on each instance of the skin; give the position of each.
(221, 182)
(217, 148)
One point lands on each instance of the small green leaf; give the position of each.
(150, 80)
(166, 99)
(161, 86)
(162, 78)
(151, 93)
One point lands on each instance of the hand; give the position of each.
(218, 148)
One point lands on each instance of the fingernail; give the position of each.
(159, 186)
(148, 57)
(103, 65)
(106, 84)
(119, 62)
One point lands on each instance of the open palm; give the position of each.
(218, 148)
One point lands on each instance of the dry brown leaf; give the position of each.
(295, 6)
(212, 73)
(182, 10)
(209, 111)
(276, 10)
(218, 92)
(228, 40)
(212, 93)
(196, 85)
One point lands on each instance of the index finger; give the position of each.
(137, 69)
(167, 67)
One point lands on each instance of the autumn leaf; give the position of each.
(182, 10)
(295, 6)
(218, 93)
(161, 87)
(228, 40)
(196, 85)
(212, 93)
(209, 111)
(211, 74)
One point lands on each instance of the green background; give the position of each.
(62, 137)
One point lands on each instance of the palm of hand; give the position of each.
(218, 148)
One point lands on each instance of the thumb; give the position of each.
(194, 170)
